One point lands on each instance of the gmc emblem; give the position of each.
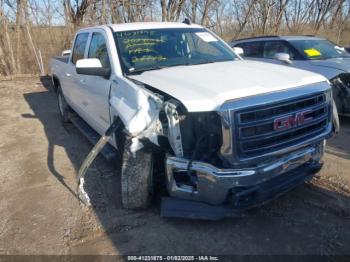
(290, 121)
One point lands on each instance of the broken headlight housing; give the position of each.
(341, 92)
(193, 135)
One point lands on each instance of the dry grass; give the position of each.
(50, 41)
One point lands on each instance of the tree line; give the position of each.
(32, 31)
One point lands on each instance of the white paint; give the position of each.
(84, 196)
(206, 87)
(66, 52)
(89, 63)
(206, 37)
(150, 25)
(199, 87)
(135, 107)
(174, 132)
(238, 51)
(284, 57)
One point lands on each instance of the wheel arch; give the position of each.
(119, 136)
(55, 82)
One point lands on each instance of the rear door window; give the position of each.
(79, 47)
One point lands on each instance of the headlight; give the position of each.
(341, 92)
(342, 80)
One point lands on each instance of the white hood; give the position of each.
(206, 87)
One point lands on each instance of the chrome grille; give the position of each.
(255, 131)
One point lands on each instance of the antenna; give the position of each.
(187, 21)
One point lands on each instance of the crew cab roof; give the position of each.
(142, 26)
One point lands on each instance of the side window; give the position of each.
(79, 47)
(252, 49)
(273, 47)
(98, 49)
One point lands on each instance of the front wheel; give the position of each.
(137, 179)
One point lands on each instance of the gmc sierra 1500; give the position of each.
(229, 134)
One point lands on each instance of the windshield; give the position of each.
(319, 49)
(143, 50)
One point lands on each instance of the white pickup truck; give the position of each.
(225, 134)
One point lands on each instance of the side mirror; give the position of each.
(283, 57)
(91, 66)
(340, 48)
(66, 52)
(238, 50)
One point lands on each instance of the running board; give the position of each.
(108, 151)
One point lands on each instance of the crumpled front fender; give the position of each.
(138, 109)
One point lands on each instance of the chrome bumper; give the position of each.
(213, 184)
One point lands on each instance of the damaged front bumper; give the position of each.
(243, 188)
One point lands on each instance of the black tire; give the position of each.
(63, 107)
(137, 179)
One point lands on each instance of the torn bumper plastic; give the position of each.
(216, 186)
(239, 200)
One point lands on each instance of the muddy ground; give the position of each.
(40, 213)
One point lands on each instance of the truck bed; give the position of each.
(63, 59)
(59, 66)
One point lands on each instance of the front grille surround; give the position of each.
(269, 140)
(248, 135)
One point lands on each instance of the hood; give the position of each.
(342, 64)
(206, 87)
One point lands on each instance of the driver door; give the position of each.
(96, 88)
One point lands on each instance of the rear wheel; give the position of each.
(62, 106)
(137, 179)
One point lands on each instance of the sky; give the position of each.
(40, 11)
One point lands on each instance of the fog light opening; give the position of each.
(185, 178)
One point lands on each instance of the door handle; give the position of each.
(68, 74)
(82, 81)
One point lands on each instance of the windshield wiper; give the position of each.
(141, 70)
(207, 61)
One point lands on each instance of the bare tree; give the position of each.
(30, 33)
(75, 13)
(194, 4)
(206, 10)
(3, 63)
(21, 6)
(280, 10)
(243, 14)
(322, 9)
(297, 14)
(171, 9)
(190, 9)
(5, 43)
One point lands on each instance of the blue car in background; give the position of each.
(310, 53)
